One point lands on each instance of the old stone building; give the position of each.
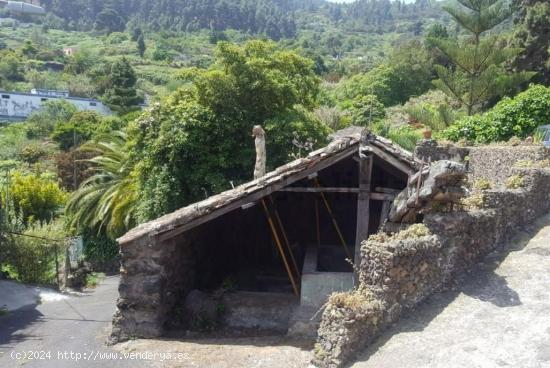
(265, 249)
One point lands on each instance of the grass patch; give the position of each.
(475, 201)
(93, 279)
(514, 182)
(483, 184)
(412, 232)
(530, 164)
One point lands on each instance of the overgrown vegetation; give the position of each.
(209, 74)
(518, 116)
(412, 232)
(482, 184)
(514, 182)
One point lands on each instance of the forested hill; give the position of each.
(274, 18)
(384, 15)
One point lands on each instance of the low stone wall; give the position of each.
(429, 150)
(399, 272)
(496, 163)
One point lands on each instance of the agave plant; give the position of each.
(106, 201)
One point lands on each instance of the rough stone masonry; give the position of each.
(397, 272)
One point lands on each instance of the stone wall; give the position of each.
(154, 276)
(497, 162)
(430, 150)
(399, 272)
(492, 162)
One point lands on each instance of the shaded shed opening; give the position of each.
(237, 251)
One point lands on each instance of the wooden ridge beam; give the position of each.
(373, 195)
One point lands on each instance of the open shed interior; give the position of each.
(238, 251)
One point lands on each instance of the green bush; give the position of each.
(42, 122)
(405, 135)
(76, 131)
(32, 153)
(366, 110)
(32, 260)
(98, 247)
(36, 197)
(182, 148)
(518, 116)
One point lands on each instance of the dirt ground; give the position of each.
(265, 352)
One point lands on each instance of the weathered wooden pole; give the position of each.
(363, 206)
(259, 134)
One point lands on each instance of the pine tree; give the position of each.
(121, 95)
(532, 35)
(477, 74)
(141, 45)
(136, 32)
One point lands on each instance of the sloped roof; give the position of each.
(344, 144)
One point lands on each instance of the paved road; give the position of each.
(77, 323)
(499, 318)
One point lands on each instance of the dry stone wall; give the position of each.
(397, 274)
(494, 163)
(153, 277)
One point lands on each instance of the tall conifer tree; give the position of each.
(477, 75)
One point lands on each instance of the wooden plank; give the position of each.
(319, 190)
(363, 208)
(386, 206)
(257, 194)
(334, 222)
(381, 196)
(280, 248)
(388, 190)
(373, 195)
(285, 237)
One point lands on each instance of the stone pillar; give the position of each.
(151, 281)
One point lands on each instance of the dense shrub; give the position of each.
(36, 197)
(79, 129)
(518, 116)
(42, 122)
(407, 73)
(199, 139)
(30, 258)
(98, 248)
(366, 110)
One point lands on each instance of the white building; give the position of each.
(18, 105)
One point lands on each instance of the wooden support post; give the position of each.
(285, 237)
(336, 227)
(363, 207)
(317, 225)
(280, 248)
(386, 205)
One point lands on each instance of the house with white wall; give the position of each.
(19, 105)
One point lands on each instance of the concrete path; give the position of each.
(14, 295)
(46, 334)
(499, 318)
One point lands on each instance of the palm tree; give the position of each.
(107, 201)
